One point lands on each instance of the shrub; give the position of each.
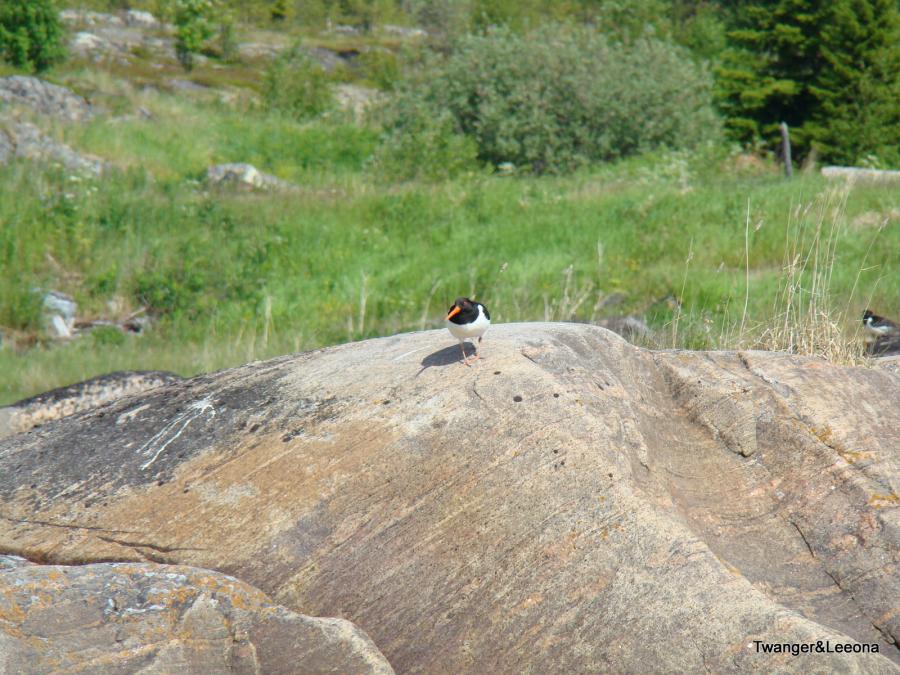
(227, 43)
(426, 147)
(561, 97)
(281, 10)
(296, 85)
(444, 21)
(366, 13)
(20, 306)
(194, 25)
(379, 67)
(31, 35)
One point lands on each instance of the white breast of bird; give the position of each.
(470, 330)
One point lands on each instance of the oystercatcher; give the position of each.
(468, 319)
(878, 325)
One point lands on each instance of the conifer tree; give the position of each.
(31, 35)
(831, 70)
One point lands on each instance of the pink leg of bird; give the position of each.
(469, 360)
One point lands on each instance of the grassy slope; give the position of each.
(238, 277)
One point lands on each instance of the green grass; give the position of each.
(234, 277)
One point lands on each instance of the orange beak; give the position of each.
(453, 312)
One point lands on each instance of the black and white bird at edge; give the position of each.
(467, 320)
(879, 326)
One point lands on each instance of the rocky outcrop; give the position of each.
(44, 98)
(84, 17)
(75, 398)
(148, 618)
(570, 504)
(141, 19)
(85, 44)
(101, 36)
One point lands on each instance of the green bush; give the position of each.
(20, 306)
(560, 97)
(108, 336)
(195, 22)
(227, 44)
(31, 35)
(427, 147)
(296, 85)
(281, 10)
(379, 67)
(444, 21)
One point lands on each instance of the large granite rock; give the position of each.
(148, 618)
(571, 504)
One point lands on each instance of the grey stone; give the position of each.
(355, 98)
(44, 98)
(59, 327)
(62, 304)
(327, 58)
(186, 85)
(243, 175)
(24, 140)
(88, 44)
(855, 173)
(140, 19)
(407, 32)
(89, 18)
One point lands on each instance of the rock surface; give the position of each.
(571, 504)
(103, 36)
(44, 98)
(64, 401)
(148, 618)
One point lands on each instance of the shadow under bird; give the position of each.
(468, 320)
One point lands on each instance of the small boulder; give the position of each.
(84, 17)
(355, 98)
(59, 313)
(138, 19)
(25, 141)
(406, 32)
(244, 175)
(88, 44)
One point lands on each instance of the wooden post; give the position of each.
(786, 150)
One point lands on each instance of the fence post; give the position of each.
(786, 150)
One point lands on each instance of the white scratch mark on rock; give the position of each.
(128, 416)
(408, 353)
(195, 410)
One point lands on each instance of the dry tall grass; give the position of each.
(807, 318)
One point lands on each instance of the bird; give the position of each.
(878, 325)
(468, 319)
